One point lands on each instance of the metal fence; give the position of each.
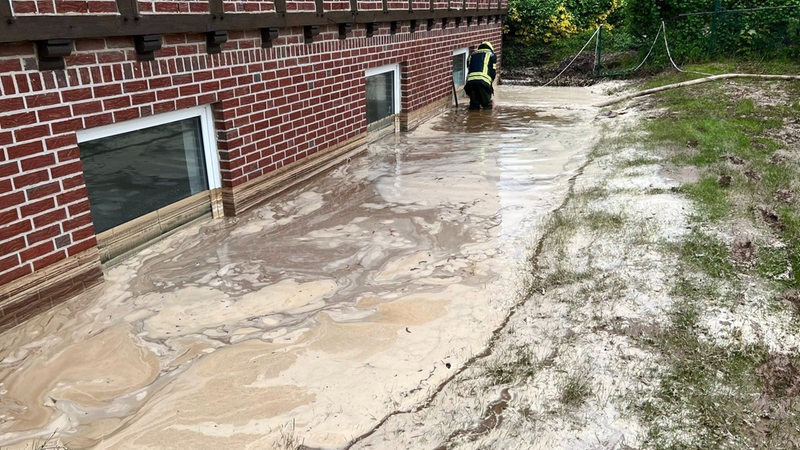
(732, 29)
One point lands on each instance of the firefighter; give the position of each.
(481, 70)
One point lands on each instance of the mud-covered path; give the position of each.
(311, 318)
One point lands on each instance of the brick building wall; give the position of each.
(274, 108)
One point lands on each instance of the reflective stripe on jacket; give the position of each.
(481, 66)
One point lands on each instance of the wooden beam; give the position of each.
(42, 27)
(127, 8)
(6, 13)
(216, 8)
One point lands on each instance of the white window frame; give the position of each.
(206, 116)
(465, 52)
(396, 78)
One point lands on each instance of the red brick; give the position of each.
(49, 218)
(107, 90)
(159, 82)
(134, 86)
(102, 7)
(9, 261)
(30, 133)
(17, 120)
(69, 154)
(15, 274)
(72, 182)
(82, 45)
(8, 216)
(63, 170)
(82, 233)
(37, 162)
(111, 57)
(98, 120)
(37, 100)
(59, 112)
(143, 98)
(81, 246)
(78, 208)
(7, 82)
(163, 107)
(12, 199)
(84, 108)
(5, 139)
(77, 222)
(43, 234)
(31, 178)
(72, 6)
(74, 95)
(14, 230)
(14, 245)
(37, 251)
(41, 191)
(9, 169)
(81, 59)
(11, 104)
(18, 48)
(64, 126)
(126, 114)
(73, 196)
(116, 103)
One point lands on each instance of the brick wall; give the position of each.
(273, 107)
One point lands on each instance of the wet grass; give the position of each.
(575, 389)
(706, 395)
(604, 220)
(517, 367)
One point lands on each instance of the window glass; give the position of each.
(460, 69)
(131, 174)
(380, 96)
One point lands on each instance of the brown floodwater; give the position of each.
(311, 317)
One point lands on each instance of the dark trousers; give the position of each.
(480, 94)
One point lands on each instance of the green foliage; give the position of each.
(697, 30)
(701, 28)
(532, 22)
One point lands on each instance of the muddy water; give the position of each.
(310, 318)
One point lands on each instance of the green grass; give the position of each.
(706, 396)
(520, 365)
(575, 389)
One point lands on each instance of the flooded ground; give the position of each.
(312, 318)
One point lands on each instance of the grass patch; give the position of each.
(705, 399)
(707, 255)
(706, 396)
(519, 366)
(604, 220)
(575, 389)
(710, 197)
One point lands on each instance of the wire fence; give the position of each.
(733, 29)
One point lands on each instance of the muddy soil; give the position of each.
(318, 318)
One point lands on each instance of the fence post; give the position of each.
(598, 49)
(712, 38)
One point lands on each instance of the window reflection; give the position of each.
(380, 96)
(131, 174)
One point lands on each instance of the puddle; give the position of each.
(350, 297)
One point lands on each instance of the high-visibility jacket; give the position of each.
(482, 66)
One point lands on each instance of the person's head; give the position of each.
(486, 45)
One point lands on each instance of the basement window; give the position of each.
(383, 96)
(460, 67)
(138, 169)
